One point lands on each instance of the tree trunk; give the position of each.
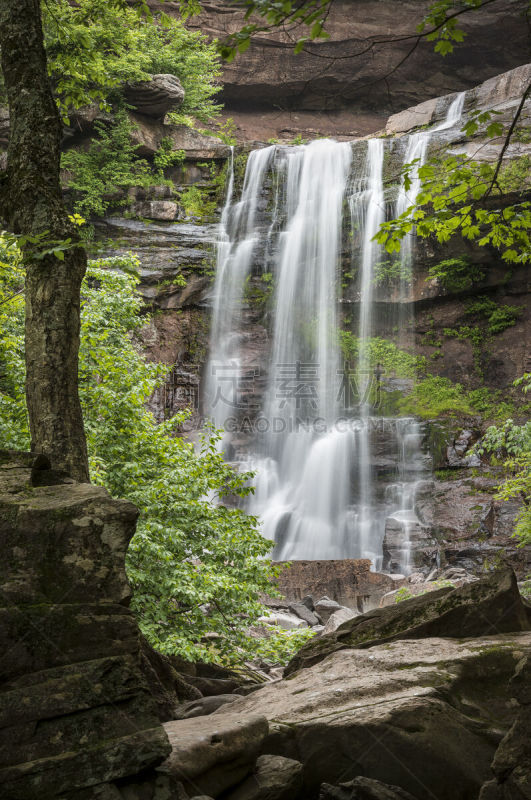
(32, 204)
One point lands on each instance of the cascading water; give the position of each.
(238, 239)
(316, 458)
(303, 464)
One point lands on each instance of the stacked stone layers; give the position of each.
(75, 711)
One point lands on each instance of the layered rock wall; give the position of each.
(75, 709)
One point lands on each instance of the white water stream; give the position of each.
(320, 489)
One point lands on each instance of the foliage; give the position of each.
(94, 47)
(101, 174)
(450, 203)
(311, 13)
(281, 645)
(391, 271)
(436, 397)
(166, 156)
(197, 567)
(510, 444)
(384, 352)
(14, 430)
(196, 202)
(498, 317)
(456, 274)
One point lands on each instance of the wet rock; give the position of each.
(338, 618)
(325, 608)
(214, 753)
(476, 609)
(273, 778)
(155, 98)
(301, 610)
(407, 542)
(363, 789)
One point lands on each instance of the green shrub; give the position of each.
(436, 397)
(100, 176)
(93, 48)
(456, 274)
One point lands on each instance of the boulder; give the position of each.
(273, 778)
(414, 714)
(203, 706)
(512, 761)
(164, 210)
(349, 581)
(325, 608)
(476, 609)
(338, 618)
(363, 789)
(167, 686)
(211, 754)
(155, 98)
(147, 135)
(283, 620)
(301, 610)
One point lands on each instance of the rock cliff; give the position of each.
(347, 85)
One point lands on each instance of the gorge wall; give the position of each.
(330, 90)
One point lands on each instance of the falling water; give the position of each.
(316, 458)
(367, 207)
(238, 238)
(416, 150)
(302, 488)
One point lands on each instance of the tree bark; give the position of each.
(31, 203)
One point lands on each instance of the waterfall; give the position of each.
(237, 240)
(416, 150)
(367, 208)
(303, 463)
(330, 477)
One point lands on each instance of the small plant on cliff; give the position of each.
(456, 274)
(510, 445)
(100, 175)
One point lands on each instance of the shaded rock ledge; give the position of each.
(75, 708)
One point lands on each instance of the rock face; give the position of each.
(75, 709)
(155, 98)
(329, 89)
(512, 761)
(349, 582)
(476, 609)
(422, 715)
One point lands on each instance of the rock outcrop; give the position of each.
(475, 609)
(423, 716)
(155, 98)
(76, 710)
(347, 85)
